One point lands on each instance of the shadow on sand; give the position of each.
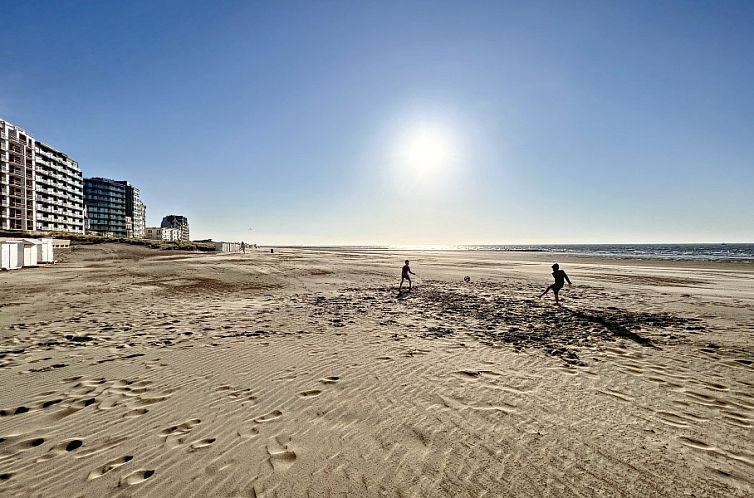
(613, 326)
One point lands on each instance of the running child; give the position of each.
(560, 277)
(404, 276)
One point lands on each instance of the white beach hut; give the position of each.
(46, 254)
(11, 255)
(228, 246)
(31, 251)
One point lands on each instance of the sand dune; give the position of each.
(131, 372)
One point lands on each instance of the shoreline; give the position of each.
(531, 256)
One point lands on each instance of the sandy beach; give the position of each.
(134, 372)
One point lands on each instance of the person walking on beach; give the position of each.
(560, 278)
(405, 276)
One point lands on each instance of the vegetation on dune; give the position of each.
(77, 238)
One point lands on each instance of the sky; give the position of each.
(401, 122)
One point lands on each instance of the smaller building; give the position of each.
(46, 250)
(179, 222)
(159, 233)
(31, 251)
(228, 246)
(11, 255)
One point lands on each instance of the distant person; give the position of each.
(243, 247)
(405, 276)
(560, 279)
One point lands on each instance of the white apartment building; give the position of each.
(139, 217)
(158, 233)
(41, 188)
(179, 222)
(59, 189)
(17, 186)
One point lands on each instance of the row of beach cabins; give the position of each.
(19, 253)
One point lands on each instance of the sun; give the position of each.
(427, 150)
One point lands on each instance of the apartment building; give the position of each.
(159, 233)
(136, 212)
(105, 202)
(176, 221)
(17, 179)
(42, 189)
(59, 191)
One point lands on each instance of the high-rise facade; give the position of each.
(176, 221)
(105, 202)
(136, 212)
(17, 179)
(42, 189)
(59, 191)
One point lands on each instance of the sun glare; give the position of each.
(426, 151)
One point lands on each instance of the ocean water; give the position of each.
(678, 252)
(673, 252)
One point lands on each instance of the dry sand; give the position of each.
(127, 371)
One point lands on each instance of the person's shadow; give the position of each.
(402, 294)
(614, 326)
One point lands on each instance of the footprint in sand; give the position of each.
(182, 428)
(329, 380)
(313, 393)
(137, 412)
(73, 445)
(275, 414)
(175, 435)
(137, 477)
(13, 411)
(112, 464)
(202, 443)
(67, 446)
(248, 433)
(31, 443)
(141, 402)
(281, 456)
(100, 446)
(51, 402)
(469, 374)
(243, 395)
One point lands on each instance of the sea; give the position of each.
(674, 252)
(677, 252)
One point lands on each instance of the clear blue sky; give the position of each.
(556, 122)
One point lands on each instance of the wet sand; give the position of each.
(133, 372)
